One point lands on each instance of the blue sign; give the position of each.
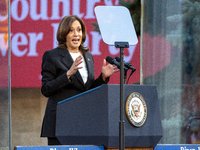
(68, 147)
(178, 147)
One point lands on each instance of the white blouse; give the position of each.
(83, 71)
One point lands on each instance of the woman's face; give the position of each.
(74, 37)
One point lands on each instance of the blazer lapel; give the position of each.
(68, 61)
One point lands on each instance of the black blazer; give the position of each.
(57, 87)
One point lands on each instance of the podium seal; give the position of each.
(136, 109)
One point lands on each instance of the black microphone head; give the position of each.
(110, 60)
(117, 58)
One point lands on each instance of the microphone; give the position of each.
(126, 64)
(113, 61)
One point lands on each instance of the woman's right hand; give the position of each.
(75, 66)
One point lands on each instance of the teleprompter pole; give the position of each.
(121, 45)
(122, 122)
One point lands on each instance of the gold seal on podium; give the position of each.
(136, 109)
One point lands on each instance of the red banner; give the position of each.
(33, 31)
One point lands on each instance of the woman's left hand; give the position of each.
(108, 70)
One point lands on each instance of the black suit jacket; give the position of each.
(57, 87)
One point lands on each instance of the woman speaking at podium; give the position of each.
(68, 70)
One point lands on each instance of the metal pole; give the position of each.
(121, 124)
(141, 42)
(9, 75)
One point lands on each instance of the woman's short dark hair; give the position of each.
(64, 28)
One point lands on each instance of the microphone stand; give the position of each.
(125, 76)
(122, 45)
